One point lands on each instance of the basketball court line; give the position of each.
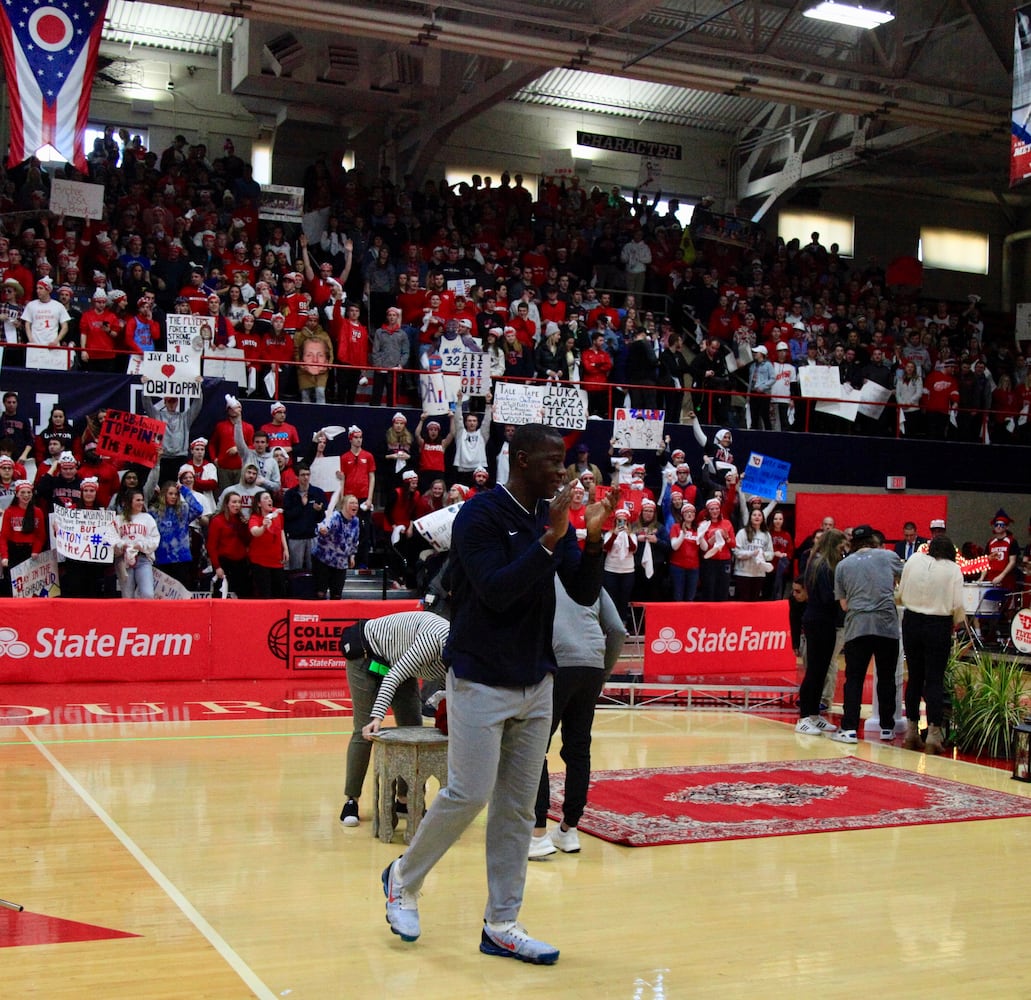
(235, 962)
(170, 739)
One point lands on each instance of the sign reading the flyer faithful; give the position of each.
(86, 535)
(36, 577)
(131, 437)
(564, 406)
(766, 477)
(169, 373)
(517, 404)
(638, 428)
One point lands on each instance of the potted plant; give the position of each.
(987, 700)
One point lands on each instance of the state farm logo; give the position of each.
(11, 645)
(667, 641)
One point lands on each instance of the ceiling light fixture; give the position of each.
(843, 13)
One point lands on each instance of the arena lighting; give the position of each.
(843, 13)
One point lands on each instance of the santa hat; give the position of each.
(90, 481)
(67, 458)
(409, 474)
(647, 503)
(353, 431)
(277, 406)
(677, 456)
(19, 483)
(182, 469)
(202, 441)
(399, 416)
(623, 513)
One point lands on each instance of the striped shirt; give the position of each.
(412, 643)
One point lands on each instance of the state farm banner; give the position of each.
(129, 640)
(85, 535)
(131, 437)
(734, 641)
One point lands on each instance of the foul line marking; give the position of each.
(173, 739)
(237, 964)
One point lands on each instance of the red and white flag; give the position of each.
(50, 55)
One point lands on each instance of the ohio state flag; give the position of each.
(50, 53)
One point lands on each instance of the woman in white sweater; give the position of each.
(134, 552)
(753, 558)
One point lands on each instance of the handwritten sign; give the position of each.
(83, 201)
(226, 363)
(131, 437)
(36, 576)
(433, 394)
(460, 286)
(85, 535)
(517, 404)
(168, 373)
(474, 371)
(638, 428)
(823, 382)
(168, 588)
(872, 398)
(55, 359)
(436, 527)
(183, 333)
(564, 406)
(766, 477)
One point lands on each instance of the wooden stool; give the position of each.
(413, 753)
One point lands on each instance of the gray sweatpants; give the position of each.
(497, 739)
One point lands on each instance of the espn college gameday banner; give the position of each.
(732, 640)
(121, 640)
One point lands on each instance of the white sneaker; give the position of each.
(567, 841)
(827, 727)
(809, 726)
(845, 736)
(887, 734)
(540, 848)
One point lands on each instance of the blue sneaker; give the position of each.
(510, 940)
(402, 906)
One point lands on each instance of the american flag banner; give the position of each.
(50, 54)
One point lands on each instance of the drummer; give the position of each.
(1003, 551)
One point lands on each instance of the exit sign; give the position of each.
(896, 482)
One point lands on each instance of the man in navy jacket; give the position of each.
(506, 548)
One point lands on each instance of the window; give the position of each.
(840, 229)
(47, 154)
(954, 249)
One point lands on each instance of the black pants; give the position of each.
(927, 640)
(819, 648)
(715, 577)
(269, 582)
(885, 653)
(574, 697)
(328, 580)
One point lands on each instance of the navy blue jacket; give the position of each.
(504, 592)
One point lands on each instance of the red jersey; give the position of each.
(999, 549)
(197, 299)
(11, 532)
(223, 439)
(353, 344)
(357, 469)
(283, 436)
(228, 538)
(266, 548)
(97, 331)
(941, 392)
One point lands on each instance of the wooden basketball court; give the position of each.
(217, 844)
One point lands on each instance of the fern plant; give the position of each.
(988, 700)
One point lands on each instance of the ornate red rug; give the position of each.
(646, 807)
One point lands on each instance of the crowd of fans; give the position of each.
(590, 287)
(587, 286)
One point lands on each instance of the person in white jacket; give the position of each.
(753, 558)
(134, 552)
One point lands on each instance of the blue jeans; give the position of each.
(685, 583)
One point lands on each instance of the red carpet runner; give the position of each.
(646, 807)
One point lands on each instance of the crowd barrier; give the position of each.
(44, 641)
